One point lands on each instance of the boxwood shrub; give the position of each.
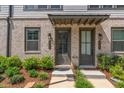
(104, 61)
(31, 63)
(120, 84)
(3, 62)
(47, 62)
(11, 71)
(14, 61)
(17, 79)
(33, 73)
(43, 76)
(38, 85)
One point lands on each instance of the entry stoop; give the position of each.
(93, 74)
(62, 71)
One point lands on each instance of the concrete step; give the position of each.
(62, 72)
(93, 74)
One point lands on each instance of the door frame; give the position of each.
(60, 29)
(93, 35)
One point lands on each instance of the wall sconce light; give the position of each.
(50, 39)
(100, 37)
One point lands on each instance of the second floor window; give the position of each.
(42, 7)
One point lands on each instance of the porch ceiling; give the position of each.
(77, 19)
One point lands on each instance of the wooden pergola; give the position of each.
(77, 19)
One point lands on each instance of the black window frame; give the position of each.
(38, 40)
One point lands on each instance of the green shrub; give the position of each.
(117, 71)
(38, 85)
(1, 69)
(16, 79)
(81, 82)
(103, 61)
(3, 62)
(31, 63)
(11, 71)
(47, 62)
(43, 76)
(33, 73)
(14, 61)
(1, 78)
(120, 85)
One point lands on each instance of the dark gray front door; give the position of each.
(63, 48)
(86, 48)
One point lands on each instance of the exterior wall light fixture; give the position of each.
(50, 39)
(100, 38)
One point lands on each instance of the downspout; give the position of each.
(10, 12)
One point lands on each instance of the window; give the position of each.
(120, 6)
(118, 39)
(107, 6)
(32, 39)
(28, 7)
(42, 7)
(94, 7)
(55, 7)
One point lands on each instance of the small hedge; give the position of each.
(120, 85)
(33, 73)
(31, 63)
(14, 61)
(46, 62)
(3, 62)
(38, 85)
(1, 78)
(43, 76)
(104, 61)
(117, 71)
(81, 81)
(16, 79)
(11, 71)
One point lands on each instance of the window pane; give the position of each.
(88, 50)
(118, 45)
(32, 35)
(118, 34)
(88, 36)
(83, 36)
(55, 6)
(32, 45)
(82, 48)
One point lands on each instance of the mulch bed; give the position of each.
(28, 79)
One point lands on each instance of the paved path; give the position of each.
(97, 78)
(62, 79)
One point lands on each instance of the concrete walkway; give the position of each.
(62, 79)
(97, 78)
